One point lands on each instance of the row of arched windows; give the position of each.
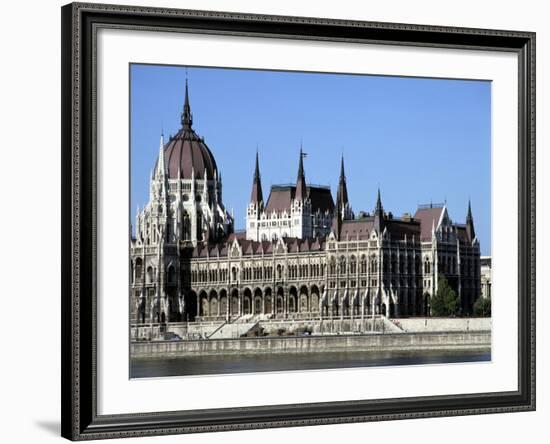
(344, 266)
(446, 265)
(305, 271)
(213, 275)
(151, 273)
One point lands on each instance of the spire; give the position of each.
(161, 167)
(378, 214)
(186, 116)
(470, 222)
(301, 181)
(379, 207)
(342, 193)
(257, 196)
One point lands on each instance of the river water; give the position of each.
(225, 364)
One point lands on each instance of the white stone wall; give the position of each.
(444, 324)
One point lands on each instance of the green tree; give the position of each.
(482, 307)
(445, 300)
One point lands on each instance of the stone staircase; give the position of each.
(392, 326)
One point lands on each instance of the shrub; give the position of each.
(482, 307)
(445, 301)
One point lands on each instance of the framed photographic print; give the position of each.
(276, 221)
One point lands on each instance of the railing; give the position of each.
(286, 185)
(223, 324)
(430, 205)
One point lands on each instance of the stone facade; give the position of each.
(303, 256)
(486, 276)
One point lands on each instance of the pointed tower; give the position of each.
(342, 202)
(186, 116)
(470, 223)
(159, 178)
(256, 196)
(342, 193)
(255, 206)
(160, 173)
(379, 214)
(300, 211)
(301, 190)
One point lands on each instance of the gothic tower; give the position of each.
(256, 205)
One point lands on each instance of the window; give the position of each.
(353, 265)
(427, 266)
(363, 264)
(138, 268)
(342, 265)
(332, 266)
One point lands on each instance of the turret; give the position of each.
(256, 197)
(379, 215)
(186, 116)
(470, 223)
(342, 202)
(301, 190)
(160, 173)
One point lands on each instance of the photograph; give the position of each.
(293, 220)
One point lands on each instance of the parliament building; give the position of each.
(303, 254)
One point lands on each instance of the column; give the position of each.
(285, 302)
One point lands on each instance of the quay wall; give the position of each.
(443, 324)
(469, 340)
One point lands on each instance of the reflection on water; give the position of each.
(223, 364)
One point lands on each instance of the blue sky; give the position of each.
(419, 139)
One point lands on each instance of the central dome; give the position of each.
(185, 152)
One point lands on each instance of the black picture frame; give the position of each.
(79, 174)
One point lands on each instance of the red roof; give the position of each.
(250, 248)
(428, 217)
(280, 198)
(356, 228)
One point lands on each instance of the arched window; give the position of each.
(186, 222)
(234, 274)
(139, 265)
(199, 226)
(332, 266)
(363, 265)
(353, 265)
(149, 275)
(342, 265)
(373, 264)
